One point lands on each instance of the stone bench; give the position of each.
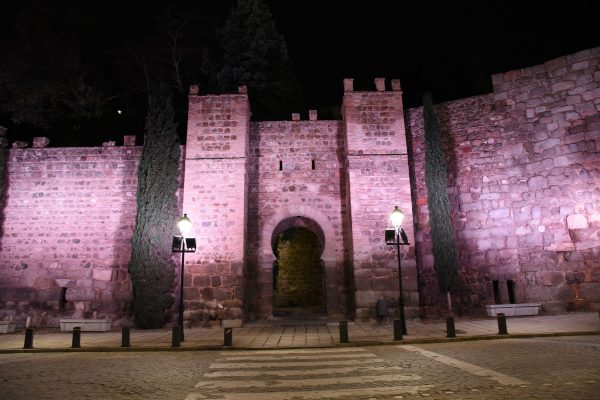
(7, 326)
(513, 310)
(86, 325)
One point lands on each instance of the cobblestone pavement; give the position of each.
(538, 368)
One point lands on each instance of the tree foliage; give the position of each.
(442, 238)
(45, 76)
(255, 54)
(152, 272)
(299, 269)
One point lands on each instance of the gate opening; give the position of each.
(298, 273)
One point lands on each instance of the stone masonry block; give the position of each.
(102, 274)
(348, 85)
(552, 278)
(537, 182)
(39, 142)
(129, 140)
(380, 84)
(577, 221)
(591, 291)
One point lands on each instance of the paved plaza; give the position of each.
(564, 367)
(290, 334)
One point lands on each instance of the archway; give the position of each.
(298, 271)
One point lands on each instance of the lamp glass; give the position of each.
(185, 225)
(397, 217)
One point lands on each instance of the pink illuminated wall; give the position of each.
(68, 218)
(525, 186)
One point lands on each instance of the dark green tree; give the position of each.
(46, 78)
(255, 54)
(152, 272)
(300, 273)
(442, 238)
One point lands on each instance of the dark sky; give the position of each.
(448, 47)
(462, 43)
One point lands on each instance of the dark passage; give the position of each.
(298, 273)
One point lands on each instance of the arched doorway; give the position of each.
(298, 271)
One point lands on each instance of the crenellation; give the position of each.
(348, 84)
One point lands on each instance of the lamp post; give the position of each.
(183, 244)
(398, 237)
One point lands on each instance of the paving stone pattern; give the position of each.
(539, 368)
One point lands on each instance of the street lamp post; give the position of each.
(398, 237)
(183, 244)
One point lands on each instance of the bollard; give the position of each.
(176, 336)
(228, 337)
(125, 337)
(76, 342)
(398, 329)
(343, 331)
(28, 339)
(450, 329)
(502, 325)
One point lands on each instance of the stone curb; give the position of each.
(351, 344)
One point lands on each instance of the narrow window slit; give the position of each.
(63, 298)
(510, 284)
(496, 286)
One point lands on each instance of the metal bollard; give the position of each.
(28, 339)
(398, 329)
(76, 342)
(125, 337)
(176, 336)
(450, 329)
(343, 331)
(502, 324)
(228, 337)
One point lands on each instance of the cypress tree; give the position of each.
(255, 54)
(442, 238)
(152, 271)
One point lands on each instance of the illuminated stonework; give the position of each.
(524, 185)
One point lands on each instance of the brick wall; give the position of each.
(524, 173)
(68, 218)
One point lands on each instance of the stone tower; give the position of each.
(215, 200)
(378, 180)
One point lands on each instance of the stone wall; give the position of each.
(68, 218)
(378, 180)
(524, 186)
(215, 201)
(295, 179)
(524, 183)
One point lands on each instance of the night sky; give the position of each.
(450, 48)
